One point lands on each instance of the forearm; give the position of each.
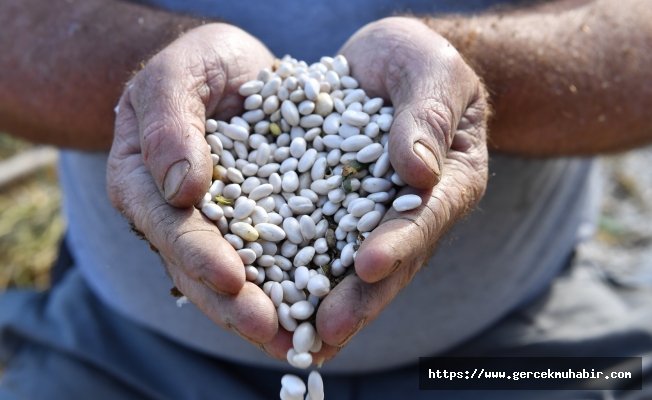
(64, 65)
(565, 79)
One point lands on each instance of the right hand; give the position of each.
(159, 167)
(437, 145)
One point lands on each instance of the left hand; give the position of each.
(159, 167)
(437, 145)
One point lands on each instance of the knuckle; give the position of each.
(154, 220)
(152, 138)
(435, 220)
(426, 115)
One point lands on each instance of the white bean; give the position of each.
(253, 116)
(247, 256)
(266, 203)
(301, 205)
(211, 125)
(332, 124)
(251, 87)
(312, 121)
(302, 360)
(274, 218)
(312, 89)
(346, 131)
(324, 105)
(369, 221)
(319, 285)
(308, 227)
(290, 112)
(349, 82)
(321, 259)
(244, 209)
(355, 143)
(407, 202)
(292, 230)
(306, 107)
(301, 310)
(298, 147)
(341, 65)
(283, 263)
(245, 231)
(234, 240)
(271, 105)
(236, 132)
(370, 153)
(290, 182)
(375, 185)
(250, 170)
(322, 227)
(271, 87)
(293, 385)
(337, 269)
(336, 195)
(360, 207)
(304, 256)
(355, 118)
(266, 260)
(348, 222)
(289, 164)
(315, 385)
(333, 157)
(212, 211)
(310, 195)
(307, 160)
(268, 169)
(259, 216)
(385, 122)
(290, 292)
(303, 337)
(276, 294)
(284, 318)
(270, 232)
(274, 273)
(251, 273)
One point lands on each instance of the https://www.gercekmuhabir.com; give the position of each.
(530, 373)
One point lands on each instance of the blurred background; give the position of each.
(30, 222)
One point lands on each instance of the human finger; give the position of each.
(402, 236)
(194, 77)
(183, 236)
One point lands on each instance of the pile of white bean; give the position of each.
(300, 179)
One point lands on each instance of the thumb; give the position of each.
(197, 75)
(419, 140)
(430, 87)
(171, 115)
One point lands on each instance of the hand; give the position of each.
(437, 145)
(159, 167)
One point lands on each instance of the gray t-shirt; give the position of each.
(504, 253)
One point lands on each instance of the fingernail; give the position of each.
(353, 332)
(394, 268)
(210, 285)
(262, 348)
(174, 178)
(237, 332)
(428, 157)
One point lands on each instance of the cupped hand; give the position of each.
(160, 166)
(437, 145)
